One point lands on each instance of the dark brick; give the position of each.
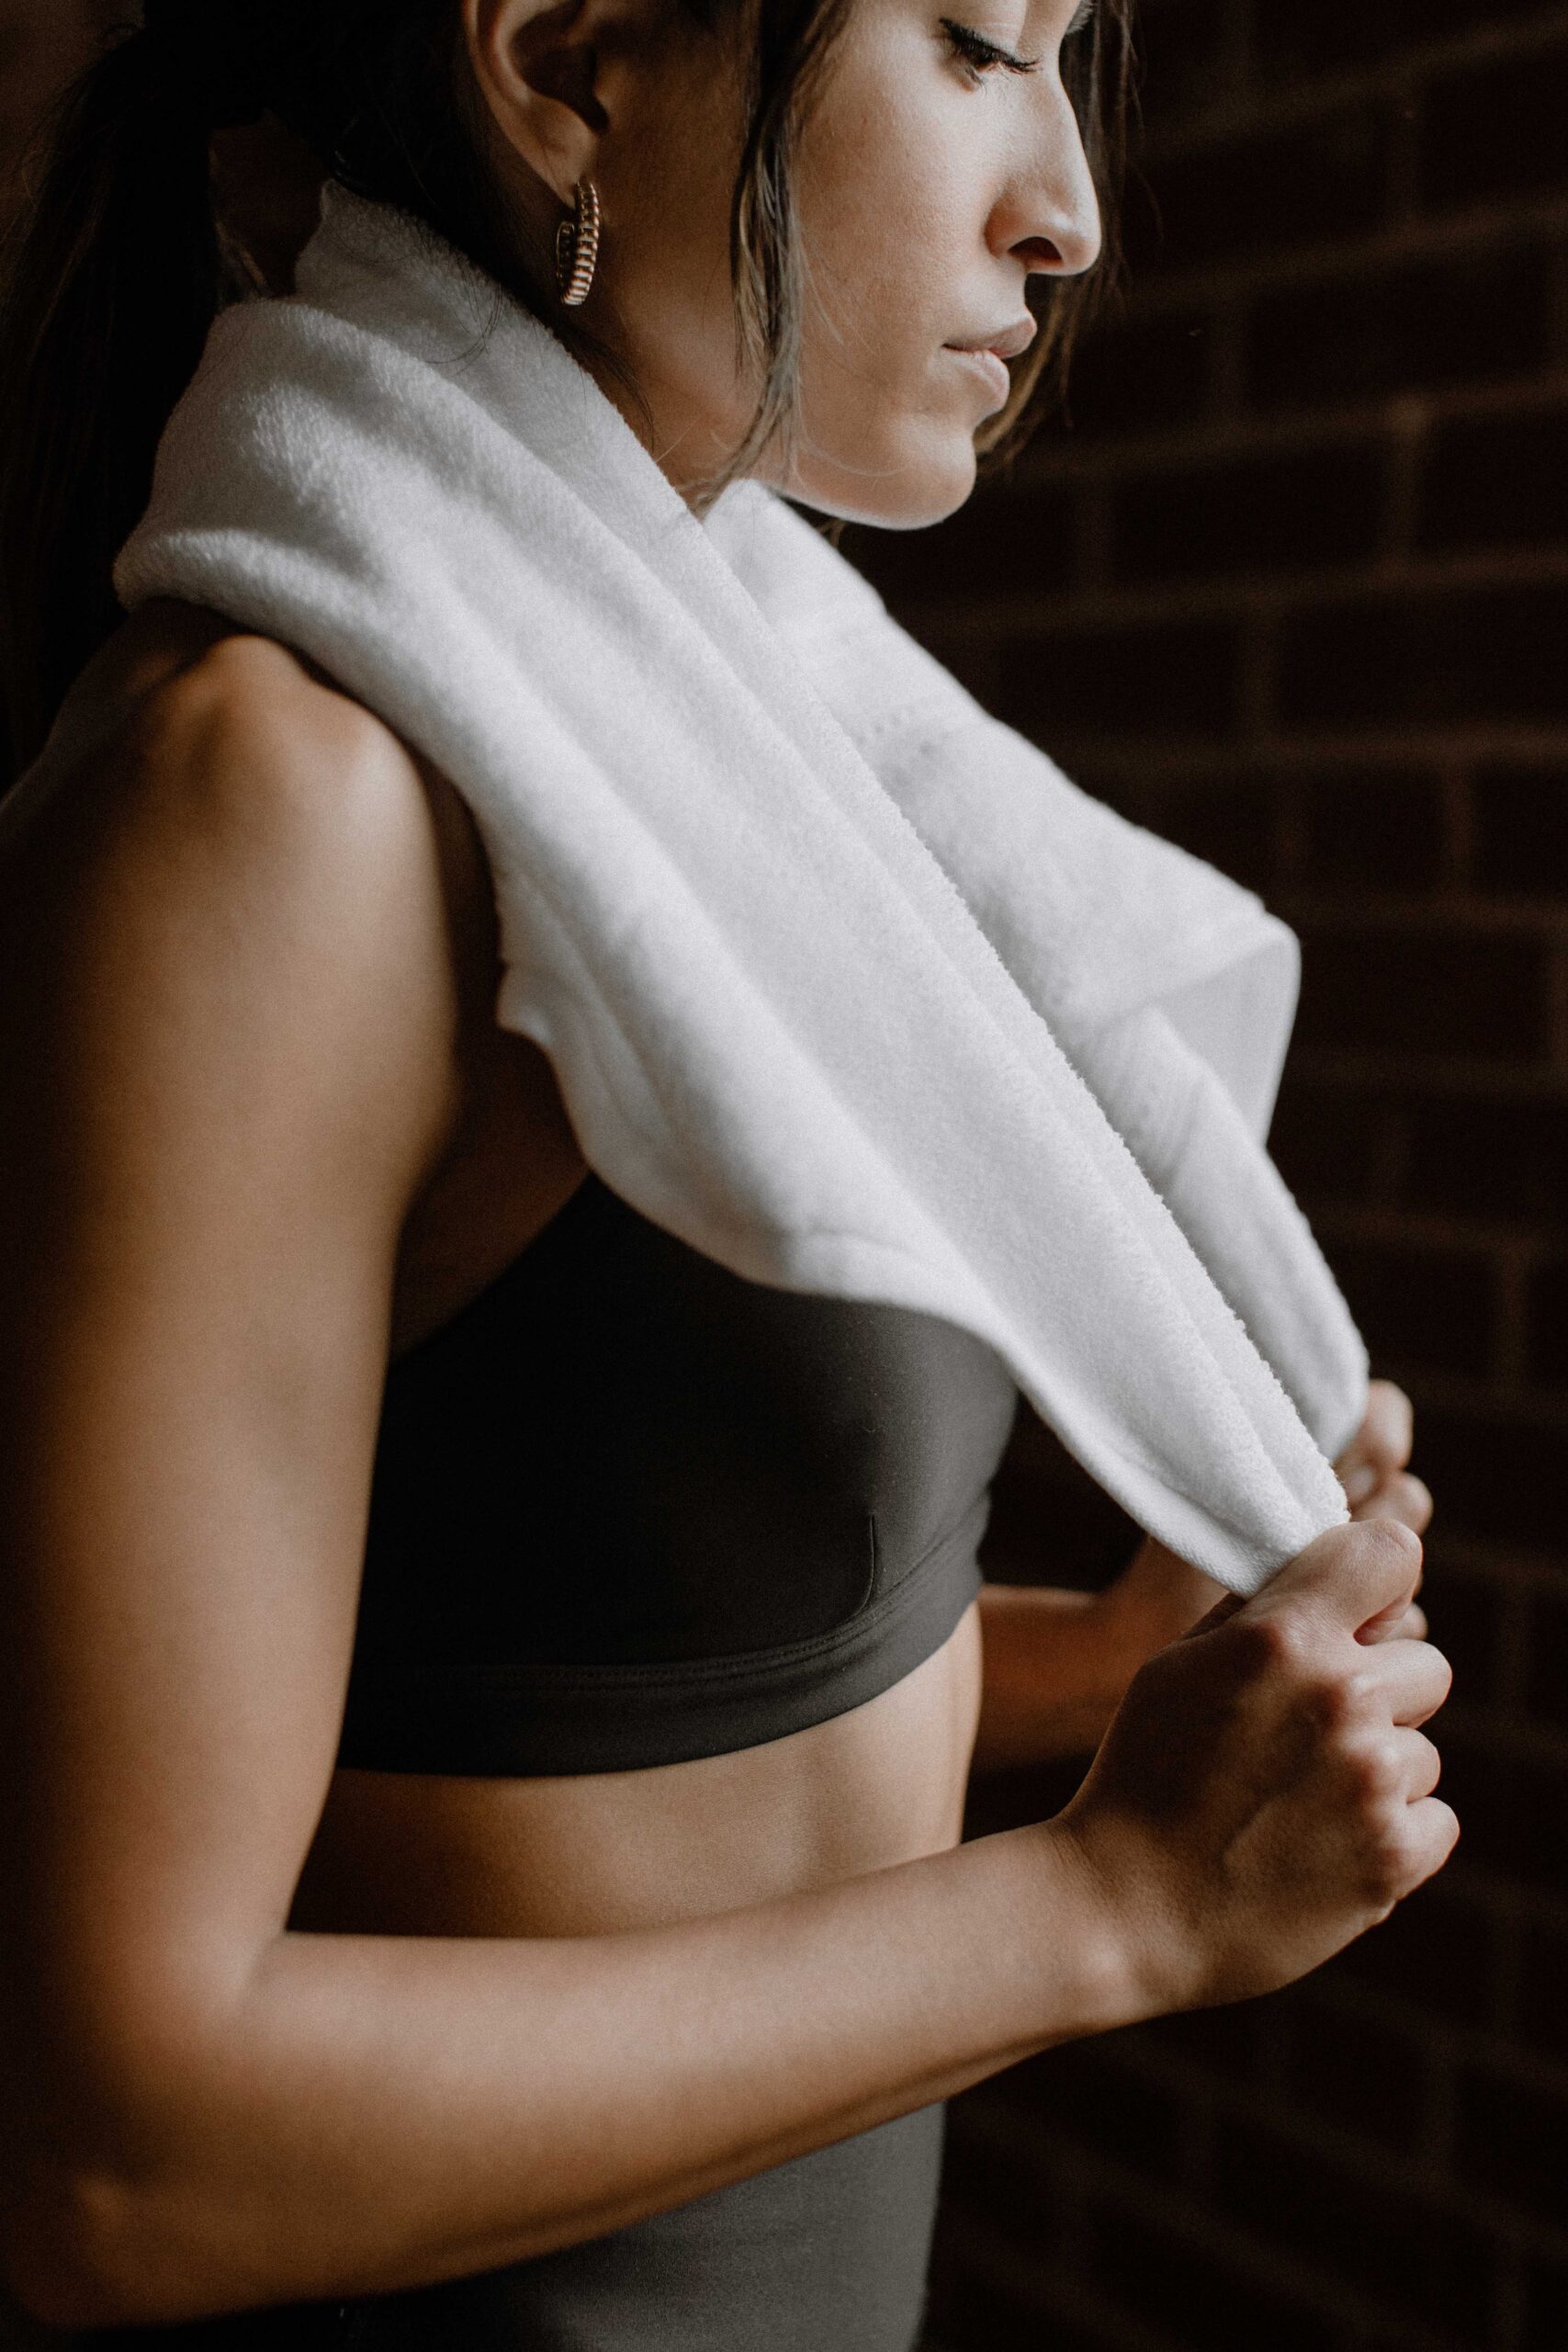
(1186, 49)
(1255, 515)
(1468, 1617)
(970, 2314)
(1330, 1143)
(1417, 2257)
(1521, 829)
(1437, 1953)
(990, 2179)
(1014, 1800)
(1360, 2337)
(1232, 2044)
(1004, 542)
(1547, 1324)
(1498, 1473)
(1082, 2091)
(1371, 830)
(1543, 1993)
(1546, 1673)
(1368, 2078)
(1318, 37)
(1488, 1159)
(1495, 480)
(1456, 320)
(1122, 788)
(1511, 1808)
(1141, 377)
(1546, 2308)
(1496, 130)
(1135, 681)
(1429, 658)
(1050, 1523)
(1312, 182)
(1196, 2299)
(1421, 1310)
(1417, 992)
(1227, 820)
(1513, 2139)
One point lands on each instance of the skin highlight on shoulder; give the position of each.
(238, 850)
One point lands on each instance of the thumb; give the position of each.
(1354, 1572)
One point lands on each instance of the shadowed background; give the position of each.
(1293, 590)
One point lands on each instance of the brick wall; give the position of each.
(1295, 589)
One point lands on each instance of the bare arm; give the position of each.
(226, 1012)
(225, 1036)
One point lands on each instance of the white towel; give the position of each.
(844, 983)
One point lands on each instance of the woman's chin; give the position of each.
(903, 488)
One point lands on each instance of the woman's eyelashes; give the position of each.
(981, 56)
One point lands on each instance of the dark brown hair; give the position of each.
(119, 263)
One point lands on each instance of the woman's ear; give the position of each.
(540, 70)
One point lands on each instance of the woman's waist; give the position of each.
(559, 1854)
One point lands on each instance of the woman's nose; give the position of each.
(1050, 219)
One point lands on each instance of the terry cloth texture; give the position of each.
(845, 984)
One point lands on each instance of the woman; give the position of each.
(621, 2017)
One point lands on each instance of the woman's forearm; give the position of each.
(373, 2114)
(1057, 1664)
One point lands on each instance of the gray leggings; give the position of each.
(826, 2254)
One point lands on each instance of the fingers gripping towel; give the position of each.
(844, 983)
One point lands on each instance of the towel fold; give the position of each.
(844, 983)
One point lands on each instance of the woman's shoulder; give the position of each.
(216, 819)
(177, 690)
(184, 724)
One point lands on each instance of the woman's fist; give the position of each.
(1264, 1794)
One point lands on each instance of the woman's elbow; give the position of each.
(107, 2214)
(59, 2236)
(83, 2249)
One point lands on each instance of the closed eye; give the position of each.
(983, 56)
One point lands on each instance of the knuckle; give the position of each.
(1440, 1672)
(1415, 1502)
(1372, 1768)
(1392, 1873)
(1262, 1642)
(1390, 1547)
(1332, 1704)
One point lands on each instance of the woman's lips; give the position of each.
(990, 353)
(990, 367)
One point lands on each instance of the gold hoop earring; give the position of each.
(577, 247)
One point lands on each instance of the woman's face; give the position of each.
(936, 175)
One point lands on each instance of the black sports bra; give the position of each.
(628, 1508)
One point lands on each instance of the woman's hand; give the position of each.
(1058, 1663)
(1159, 1596)
(1264, 1794)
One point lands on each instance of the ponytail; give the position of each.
(112, 278)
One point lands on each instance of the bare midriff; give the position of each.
(412, 1854)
